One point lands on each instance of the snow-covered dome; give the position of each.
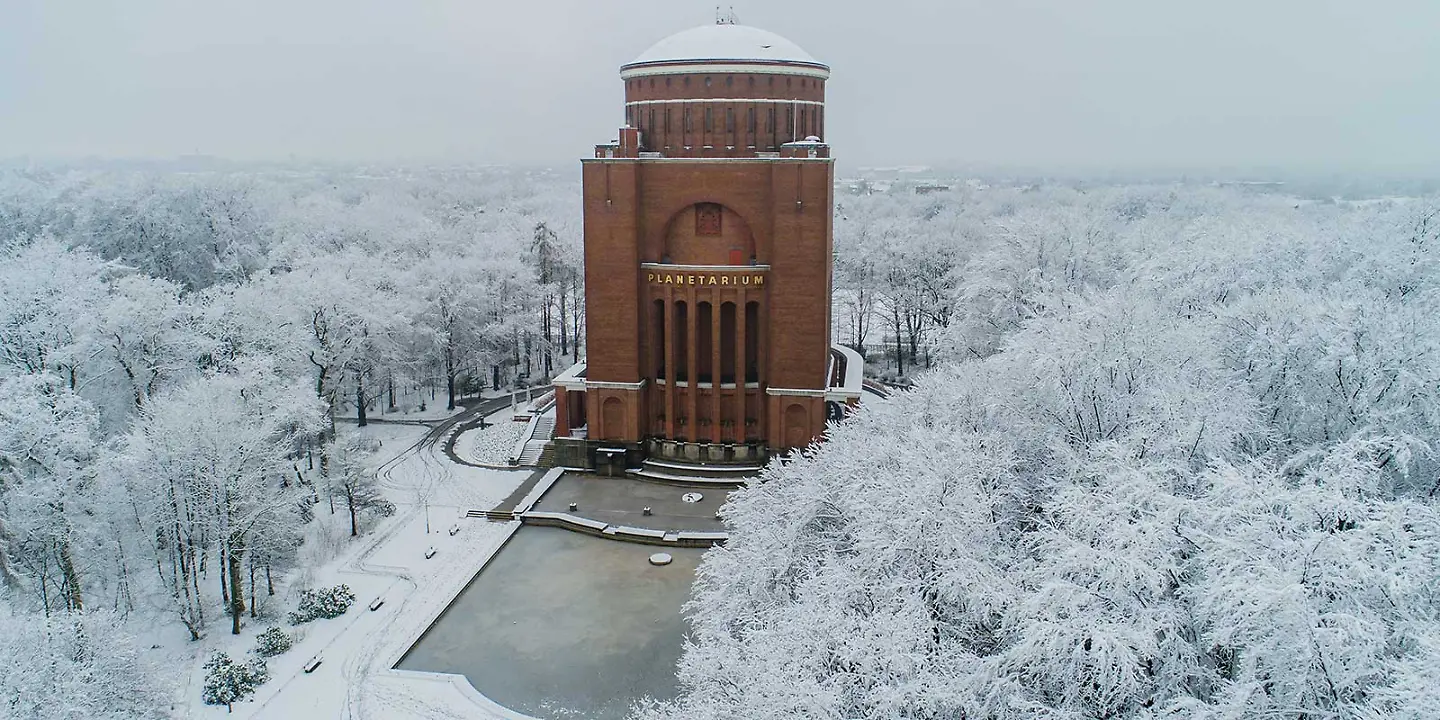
(724, 43)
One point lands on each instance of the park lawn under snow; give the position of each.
(494, 444)
(359, 647)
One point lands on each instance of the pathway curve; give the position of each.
(355, 680)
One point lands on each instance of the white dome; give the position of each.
(724, 42)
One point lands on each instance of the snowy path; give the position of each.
(355, 680)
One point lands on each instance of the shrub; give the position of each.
(227, 681)
(272, 641)
(323, 603)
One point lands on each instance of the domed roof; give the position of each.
(724, 42)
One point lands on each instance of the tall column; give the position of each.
(740, 391)
(715, 316)
(669, 341)
(692, 370)
(762, 369)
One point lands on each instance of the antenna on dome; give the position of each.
(726, 17)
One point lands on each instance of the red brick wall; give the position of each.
(642, 211)
(728, 131)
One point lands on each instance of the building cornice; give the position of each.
(708, 160)
(705, 268)
(795, 392)
(736, 67)
(607, 385)
(782, 101)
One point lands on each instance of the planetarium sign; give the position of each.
(708, 279)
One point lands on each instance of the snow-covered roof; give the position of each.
(724, 42)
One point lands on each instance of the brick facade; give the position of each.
(708, 262)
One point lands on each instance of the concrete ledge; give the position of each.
(686, 480)
(740, 470)
(624, 533)
(542, 487)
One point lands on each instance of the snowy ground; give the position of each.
(493, 445)
(358, 649)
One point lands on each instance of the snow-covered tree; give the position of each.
(70, 665)
(228, 682)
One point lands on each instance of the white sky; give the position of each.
(1117, 84)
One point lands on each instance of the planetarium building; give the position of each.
(708, 262)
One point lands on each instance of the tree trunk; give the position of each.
(575, 322)
(899, 348)
(360, 399)
(450, 376)
(564, 333)
(350, 501)
(237, 586)
(71, 577)
(252, 586)
(224, 581)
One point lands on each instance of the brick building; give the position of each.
(708, 262)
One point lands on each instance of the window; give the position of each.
(688, 125)
(729, 80)
(667, 121)
(707, 219)
(730, 120)
(652, 83)
(709, 120)
(707, 81)
(650, 126)
(750, 123)
(752, 81)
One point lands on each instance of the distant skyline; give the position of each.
(1111, 85)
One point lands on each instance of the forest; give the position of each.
(1154, 450)
(176, 348)
(1175, 457)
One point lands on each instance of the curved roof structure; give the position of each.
(724, 43)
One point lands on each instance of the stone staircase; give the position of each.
(547, 456)
(673, 472)
(491, 515)
(535, 446)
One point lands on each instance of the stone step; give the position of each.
(654, 475)
(716, 470)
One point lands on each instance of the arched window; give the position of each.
(657, 337)
(727, 342)
(682, 342)
(752, 342)
(704, 342)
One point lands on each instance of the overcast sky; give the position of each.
(1122, 84)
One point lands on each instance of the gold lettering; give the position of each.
(669, 280)
(712, 280)
(649, 277)
(724, 279)
(759, 279)
(690, 279)
(745, 280)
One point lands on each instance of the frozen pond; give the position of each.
(563, 625)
